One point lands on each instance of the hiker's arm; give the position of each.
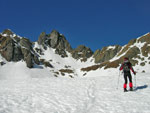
(131, 68)
(121, 67)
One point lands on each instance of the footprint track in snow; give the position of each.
(91, 97)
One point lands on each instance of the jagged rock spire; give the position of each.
(13, 48)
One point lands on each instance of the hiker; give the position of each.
(126, 67)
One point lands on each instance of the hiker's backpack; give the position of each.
(126, 67)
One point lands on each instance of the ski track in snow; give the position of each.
(81, 95)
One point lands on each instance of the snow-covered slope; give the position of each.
(137, 50)
(46, 89)
(80, 95)
(69, 66)
(18, 70)
(63, 63)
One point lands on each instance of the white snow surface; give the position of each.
(24, 90)
(36, 90)
(111, 47)
(60, 63)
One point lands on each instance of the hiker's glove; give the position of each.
(134, 73)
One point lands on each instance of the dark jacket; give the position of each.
(128, 65)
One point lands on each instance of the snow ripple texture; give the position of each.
(81, 95)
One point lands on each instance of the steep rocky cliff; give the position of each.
(54, 51)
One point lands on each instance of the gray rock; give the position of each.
(82, 52)
(29, 55)
(61, 52)
(97, 56)
(133, 52)
(56, 41)
(54, 36)
(142, 63)
(8, 32)
(6, 48)
(47, 64)
(106, 54)
(29, 61)
(36, 60)
(41, 38)
(29, 58)
(17, 54)
(16, 49)
(39, 51)
(64, 44)
(145, 38)
(25, 43)
(59, 41)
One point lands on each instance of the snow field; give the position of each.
(24, 90)
(79, 95)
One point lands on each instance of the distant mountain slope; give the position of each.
(138, 51)
(54, 53)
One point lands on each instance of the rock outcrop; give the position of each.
(106, 53)
(56, 41)
(82, 52)
(136, 50)
(14, 48)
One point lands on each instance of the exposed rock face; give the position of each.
(46, 63)
(25, 43)
(56, 41)
(44, 40)
(7, 32)
(134, 50)
(106, 53)
(14, 48)
(9, 50)
(82, 52)
(61, 45)
(28, 60)
(54, 36)
(145, 38)
(130, 53)
(146, 47)
(131, 42)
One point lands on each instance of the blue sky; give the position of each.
(94, 23)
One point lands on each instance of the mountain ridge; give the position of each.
(14, 48)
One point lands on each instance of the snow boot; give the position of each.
(131, 86)
(125, 87)
(125, 90)
(131, 89)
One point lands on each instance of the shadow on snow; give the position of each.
(141, 87)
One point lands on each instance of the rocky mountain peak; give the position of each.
(54, 37)
(14, 48)
(137, 50)
(145, 38)
(106, 53)
(55, 40)
(54, 34)
(7, 32)
(82, 52)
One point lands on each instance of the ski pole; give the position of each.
(118, 80)
(135, 80)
